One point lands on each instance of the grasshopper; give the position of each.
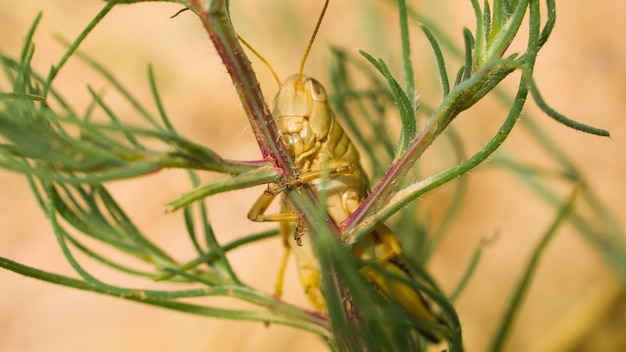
(318, 143)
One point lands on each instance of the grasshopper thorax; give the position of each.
(303, 115)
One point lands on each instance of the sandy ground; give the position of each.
(582, 73)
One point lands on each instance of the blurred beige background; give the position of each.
(581, 71)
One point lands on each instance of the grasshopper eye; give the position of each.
(318, 93)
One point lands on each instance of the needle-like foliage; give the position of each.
(68, 158)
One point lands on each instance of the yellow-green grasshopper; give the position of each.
(317, 142)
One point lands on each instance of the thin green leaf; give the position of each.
(445, 84)
(191, 230)
(106, 261)
(409, 81)
(459, 75)
(111, 79)
(54, 70)
(480, 35)
(157, 100)
(456, 203)
(402, 101)
(469, 271)
(523, 285)
(487, 20)
(469, 49)
(13, 95)
(163, 299)
(503, 38)
(562, 118)
(547, 29)
(224, 184)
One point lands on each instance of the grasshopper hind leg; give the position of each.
(280, 279)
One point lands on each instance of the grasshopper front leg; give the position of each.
(333, 169)
(293, 236)
(293, 239)
(257, 213)
(258, 209)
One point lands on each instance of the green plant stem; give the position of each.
(217, 23)
(363, 221)
(460, 98)
(302, 320)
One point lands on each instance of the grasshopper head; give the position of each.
(302, 114)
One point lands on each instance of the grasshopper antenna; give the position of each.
(308, 47)
(256, 53)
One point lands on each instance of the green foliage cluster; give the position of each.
(68, 171)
